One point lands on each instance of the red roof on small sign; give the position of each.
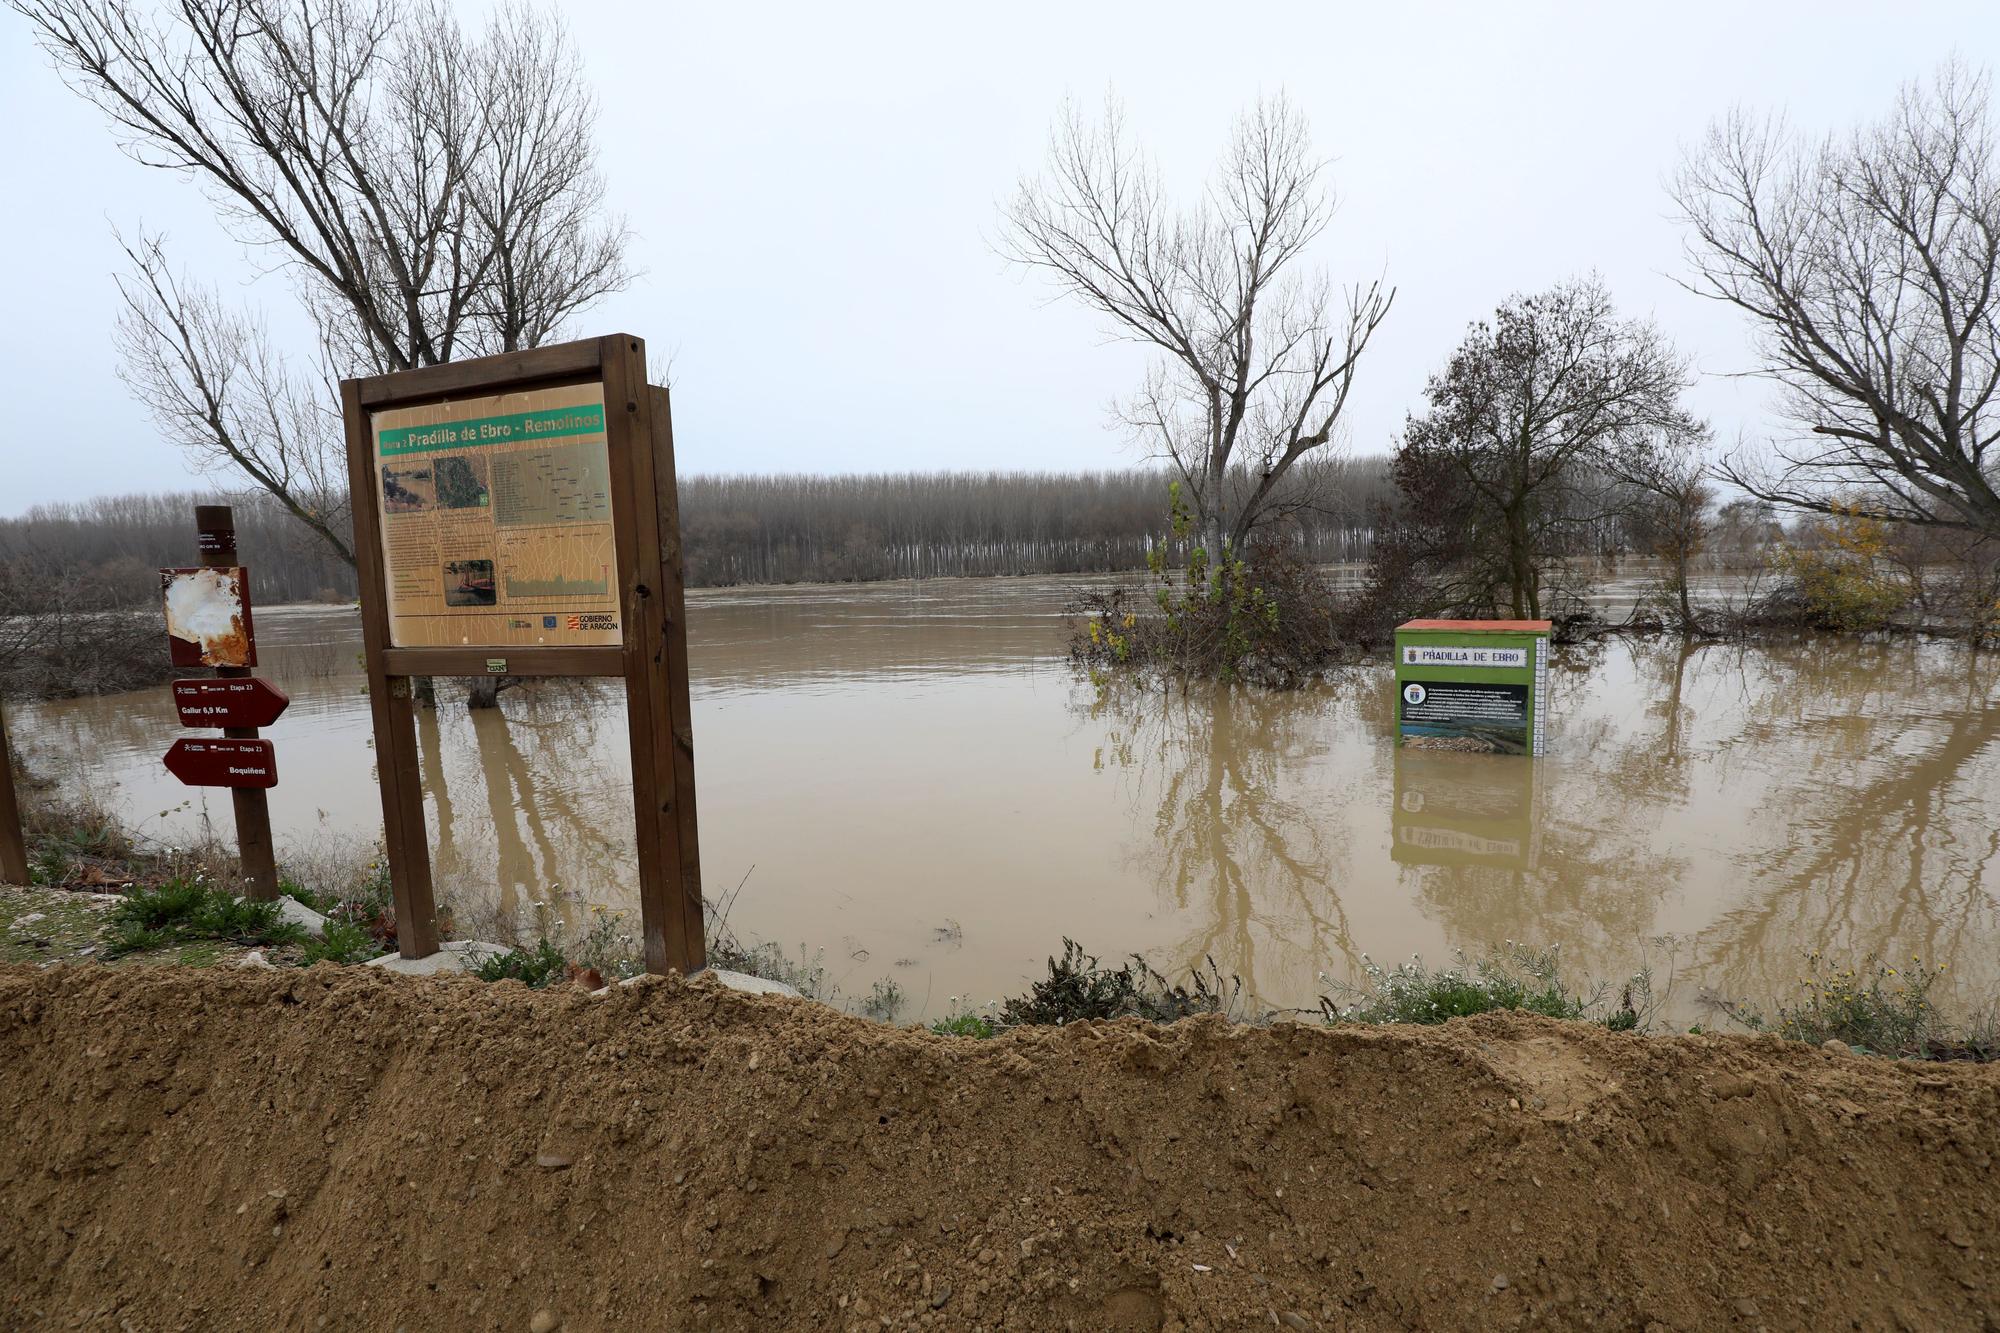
(1472, 626)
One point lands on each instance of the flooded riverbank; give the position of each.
(908, 780)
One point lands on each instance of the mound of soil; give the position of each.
(341, 1149)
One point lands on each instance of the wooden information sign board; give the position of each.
(517, 515)
(496, 520)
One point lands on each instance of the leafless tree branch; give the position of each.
(1868, 265)
(431, 195)
(1255, 365)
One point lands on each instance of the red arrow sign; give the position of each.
(247, 702)
(223, 763)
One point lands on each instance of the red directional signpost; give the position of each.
(228, 703)
(208, 624)
(223, 763)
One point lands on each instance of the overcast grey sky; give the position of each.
(813, 191)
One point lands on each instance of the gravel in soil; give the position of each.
(333, 1147)
(46, 926)
(52, 925)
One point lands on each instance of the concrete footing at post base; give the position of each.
(465, 955)
(452, 956)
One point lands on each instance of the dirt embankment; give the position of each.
(340, 1149)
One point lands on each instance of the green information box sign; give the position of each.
(1473, 686)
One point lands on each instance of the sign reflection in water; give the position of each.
(916, 785)
(1459, 809)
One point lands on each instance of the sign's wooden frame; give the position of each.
(645, 516)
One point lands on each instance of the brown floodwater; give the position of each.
(908, 782)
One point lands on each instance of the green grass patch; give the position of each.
(965, 1025)
(1515, 977)
(202, 953)
(534, 968)
(182, 911)
(49, 925)
(340, 942)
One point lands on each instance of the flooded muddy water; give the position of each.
(908, 780)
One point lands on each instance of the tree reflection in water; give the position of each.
(903, 757)
(1727, 808)
(1884, 775)
(554, 808)
(1211, 769)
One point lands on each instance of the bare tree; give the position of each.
(425, 206)
(1671, 519)
(430, 196)
(1871, 265)
(1257, 358)
(1534, 414)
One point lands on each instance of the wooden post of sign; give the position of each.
(657, 712)
(647, 524)
(13, 847)
(405, 840)
(666, 493)
(215, 536)
(650, 656)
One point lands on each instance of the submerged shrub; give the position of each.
(884, 1001)
(1838, 575)
(1264, 616)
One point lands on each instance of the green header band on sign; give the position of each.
(584, 419)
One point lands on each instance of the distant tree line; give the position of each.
(105, 552)
(73, 577)
(752, 529)
(119, 542)
(786, 529)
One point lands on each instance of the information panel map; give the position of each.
(496, 521)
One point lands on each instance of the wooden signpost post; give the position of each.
(208, 624)
(517, 516)
(13, 847)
